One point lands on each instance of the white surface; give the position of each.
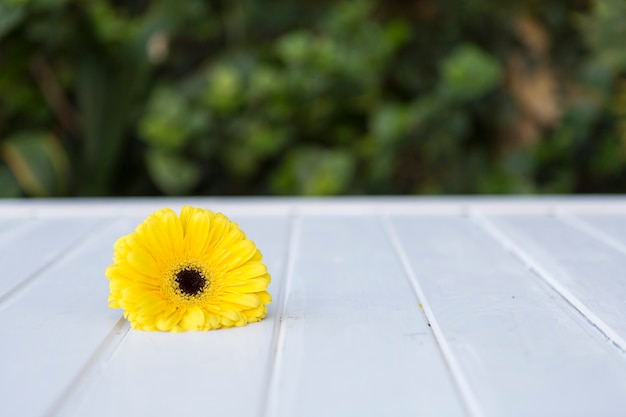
(520, 346)
(211, 373)
(32, 245)
(354, 341)
(384, 306)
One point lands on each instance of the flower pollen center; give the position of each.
(190, 281)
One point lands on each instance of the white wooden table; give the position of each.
(382, 307)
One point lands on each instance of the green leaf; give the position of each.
(38, 163)
(225, 88)
(106, 100)
(11, 15)
(315, 171)
(169, 122)
(265, 82)
(605, 31)
(294, 48)
(392, 121)
(171, 173)
(9, 187)
(46, 4)
(469, 72)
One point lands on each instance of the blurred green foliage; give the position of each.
(140, 97)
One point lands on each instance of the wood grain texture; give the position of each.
(608, 228)
(221, 372)
(33, 244)
(398, 306)
(589, 269)
(51, 329)
(355, 341)
(522, 348)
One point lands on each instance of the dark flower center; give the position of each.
(190, 281)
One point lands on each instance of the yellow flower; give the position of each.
(193, 272)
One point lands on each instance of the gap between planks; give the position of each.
(271, 397)
(585, 227)
(92, 368)
(70, 397)
(13, 293)
(106, 348)
(536, 269)
(460, 382)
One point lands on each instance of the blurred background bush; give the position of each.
(199, 97)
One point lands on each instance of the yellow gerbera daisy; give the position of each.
(193, 272)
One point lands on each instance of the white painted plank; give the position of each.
(347, 205)
(221, 372)
(354, 342)
(612, 228)
(522, 349)
(10, 230)
(8, 224)
(37, 244)
(590, 271)
(52, 328)
(351, 342)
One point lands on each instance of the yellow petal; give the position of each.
(265, 297)
(193, 319)
(247, 271)
(160, 214)
(166, 228)
(120, 249)
(212, 321)
(168, 320)
(251, 285)
(244, 300)
(231, 234)
(153, 305)
(197, 234)
(130, 275)
(234, 255)
(224, 322)
(155, 241)
(136, 293)
(142, 262)
(185, 213)
(218, 226)
(258, 256)
(230, 315)
(139, 280)
(223, 233)
(174, 232)
(255, 314)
